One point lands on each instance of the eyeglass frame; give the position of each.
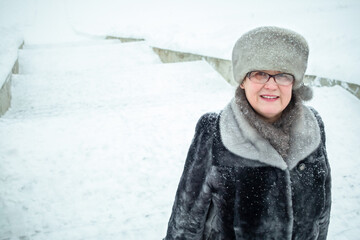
(271, 76)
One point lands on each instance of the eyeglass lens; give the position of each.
(263, 77)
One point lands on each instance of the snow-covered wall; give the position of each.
(9, 44)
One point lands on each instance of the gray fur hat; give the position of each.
(271, 48)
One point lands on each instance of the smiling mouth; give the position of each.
(269, 97)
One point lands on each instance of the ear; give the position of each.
(242, 85)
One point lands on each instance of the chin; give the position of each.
(271, 115)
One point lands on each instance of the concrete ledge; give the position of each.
(125, 39)
(15, 69)
(5, 90)
(222, 66)
(327, 82)
(5, 95)
(352, 88)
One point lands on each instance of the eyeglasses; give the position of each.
(284, 79)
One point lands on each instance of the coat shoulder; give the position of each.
(316, 114)
(320, 122)
(208, 122)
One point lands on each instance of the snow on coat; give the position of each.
(242, 191)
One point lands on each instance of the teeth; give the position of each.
(269, 97)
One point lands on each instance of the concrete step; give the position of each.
(85, 58)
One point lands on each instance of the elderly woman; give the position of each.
(259, 169)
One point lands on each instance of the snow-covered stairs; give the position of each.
(95, 57)
(95, 140)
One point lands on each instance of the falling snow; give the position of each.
(95, 140)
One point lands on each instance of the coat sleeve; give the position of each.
(325, 215)
(193, 195)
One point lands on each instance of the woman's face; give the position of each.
(269, 99)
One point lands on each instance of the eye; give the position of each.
(261, 74)
(285, 77)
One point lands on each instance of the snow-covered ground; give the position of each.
(95, 140)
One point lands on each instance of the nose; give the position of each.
(271, 84)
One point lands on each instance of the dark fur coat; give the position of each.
(236, 186)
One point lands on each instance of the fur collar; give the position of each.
(281, 128)
(240, 138)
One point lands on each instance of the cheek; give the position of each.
(251, 89)
(252, 96)
(286, 95)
